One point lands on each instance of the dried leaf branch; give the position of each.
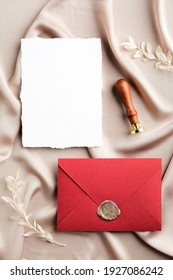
(144, 50)
(15, 186)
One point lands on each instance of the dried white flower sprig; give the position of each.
(144, 50)
(15, 186)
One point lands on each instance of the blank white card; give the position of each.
(61, 92)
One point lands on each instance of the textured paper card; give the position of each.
(61, 92)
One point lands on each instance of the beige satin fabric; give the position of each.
(113, 21)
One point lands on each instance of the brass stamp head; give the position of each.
(136, 128)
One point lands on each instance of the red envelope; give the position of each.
(134, 185)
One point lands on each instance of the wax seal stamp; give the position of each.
(108, 210)
(123, 89)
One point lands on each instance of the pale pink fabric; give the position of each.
(113, 21)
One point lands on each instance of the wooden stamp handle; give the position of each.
(123, 89)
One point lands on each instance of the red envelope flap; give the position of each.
(83, 218)
(103, 179)
(70, 194)
(148, 200)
